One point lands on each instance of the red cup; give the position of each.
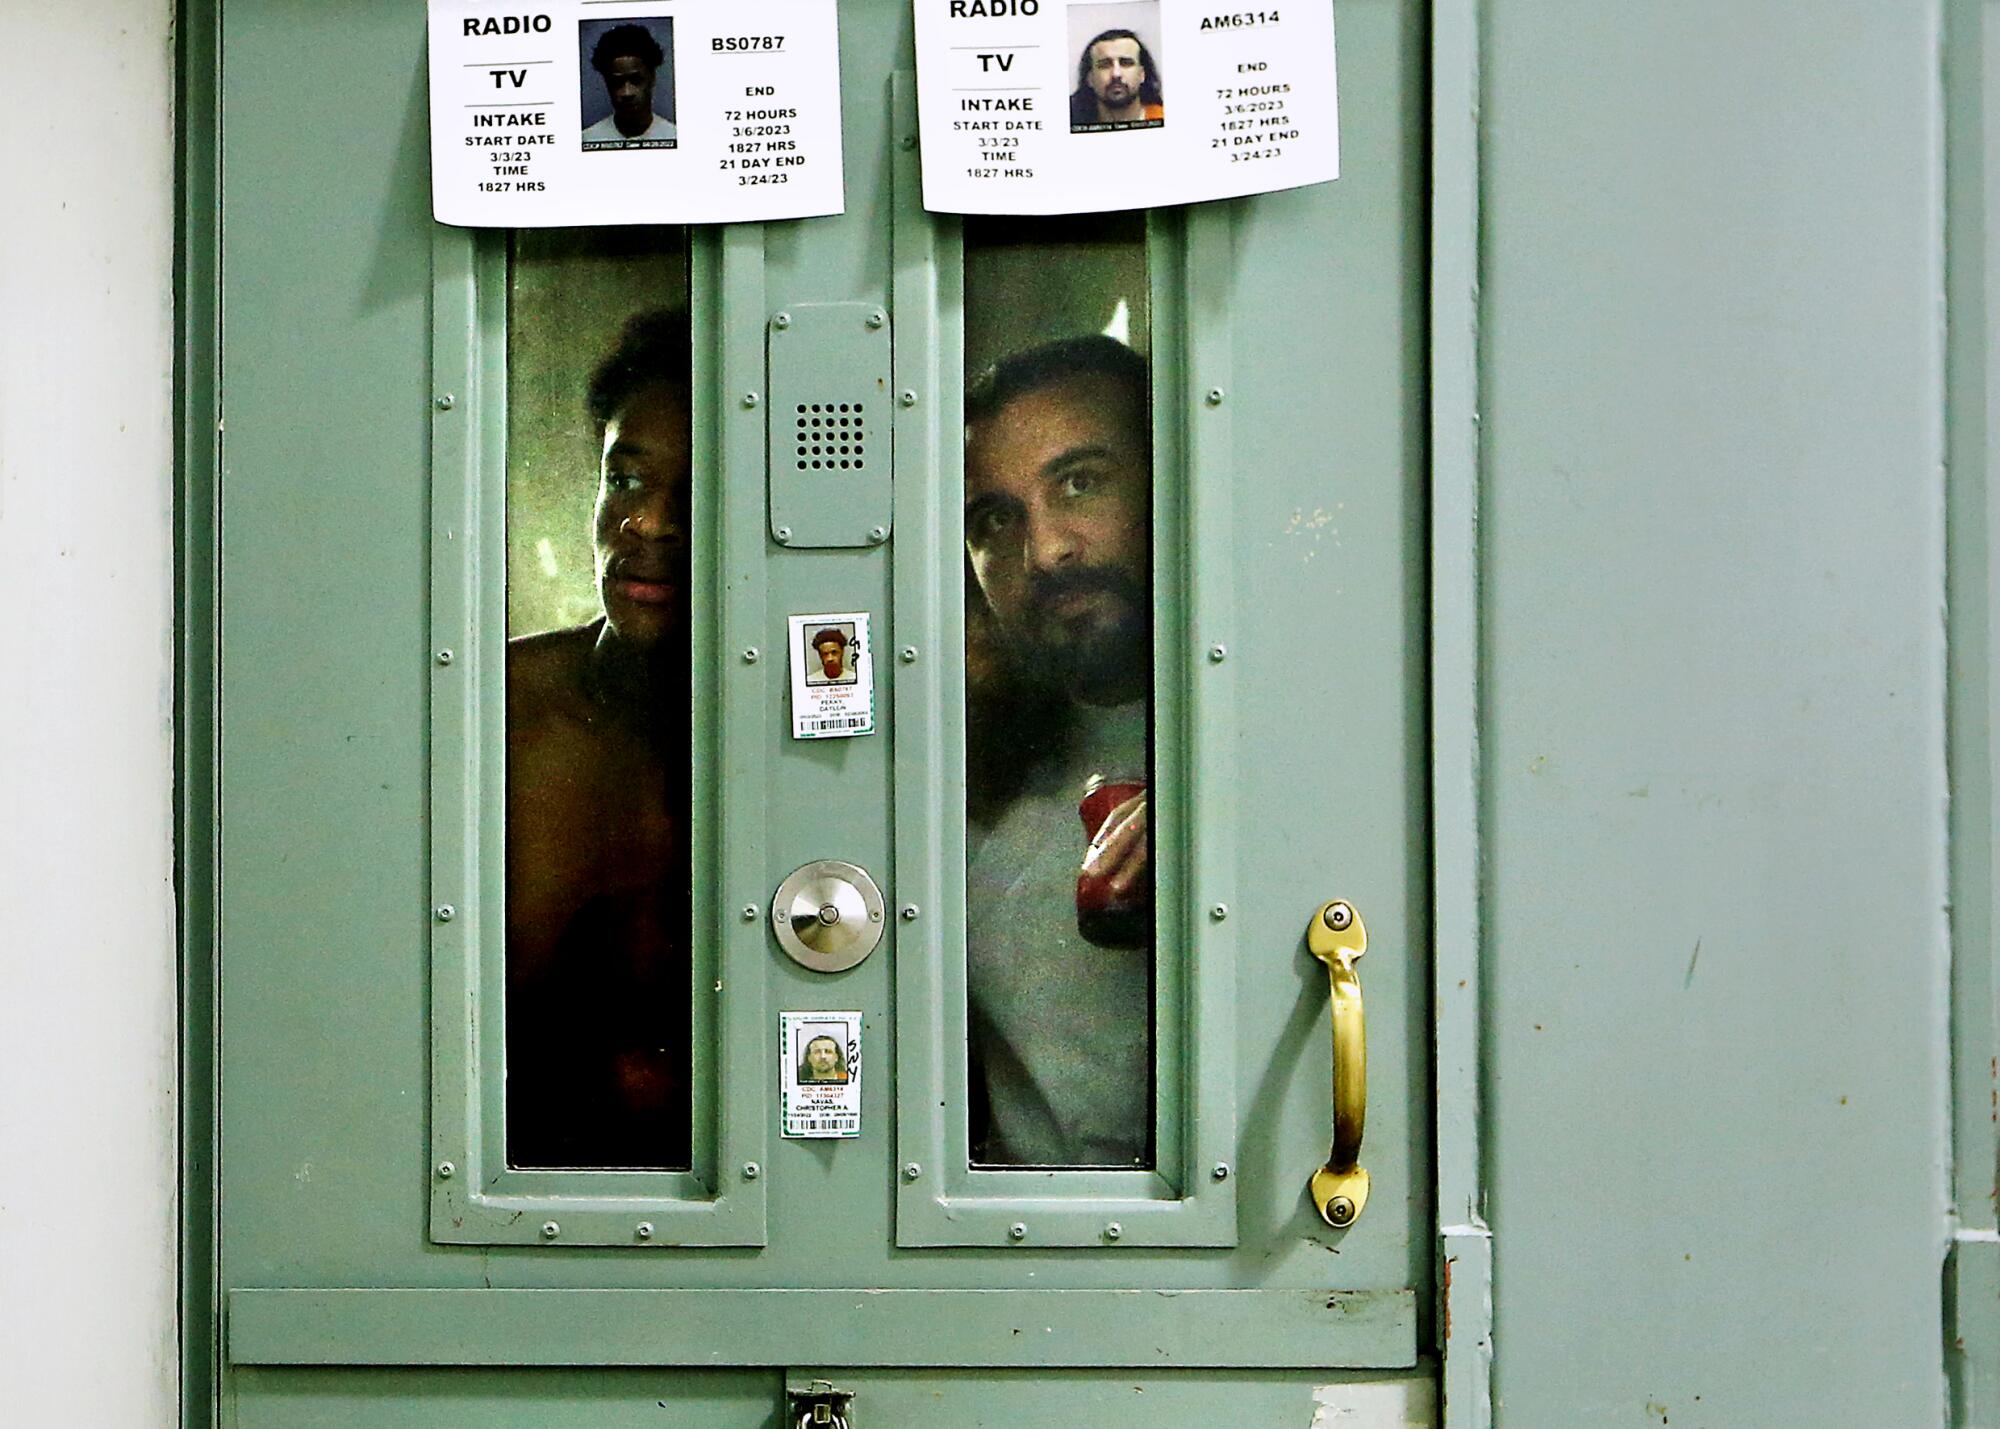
(1108, 921)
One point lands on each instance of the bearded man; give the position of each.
(1058, 539)
(1117, 85)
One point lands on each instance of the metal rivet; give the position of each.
(909, 397)
(749, 912)
(751, 1170)
(1220, 1171)
(1341, 1211)
(550, 1230)
(1018, 1231)
(874, 915)
(446, 402)
(446, 1170)
(1217, 654)
(877, 318)
(912, 1170)
(1113, 1231)
(645, 1230)
(909, 912)
(782, 320)
(909, 654)
(784, 534)
(1219, 912)
(909, 141)
(750, 656)
(445, 912)
(878, 533)
(750, 399)
(1215, 396)
(445, 657)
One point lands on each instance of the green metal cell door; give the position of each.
(536, 1070)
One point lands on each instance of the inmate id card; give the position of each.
(1078, 106)
(833, 676)
(575, 112)
(819, 1074)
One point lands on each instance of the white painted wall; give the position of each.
(87, 964)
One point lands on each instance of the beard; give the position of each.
(1101, 654)
(1117, 94)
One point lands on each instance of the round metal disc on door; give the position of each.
(828, 915)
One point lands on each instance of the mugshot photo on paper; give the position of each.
(625, 83)
(1115, 76)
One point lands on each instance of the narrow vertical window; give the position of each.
(598, 706)
(1059, 693)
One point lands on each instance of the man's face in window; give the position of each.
(642, 515)
(1058, 530)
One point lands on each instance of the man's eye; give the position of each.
(621, 481)
(989, 525)
(1079, 483)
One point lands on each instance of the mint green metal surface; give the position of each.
(323, 522)
(1713, 733)
(1971, 1306)
(1021, 1329)
(480, 1200)
(506, 1399)
(284, 1398)
(1000, 1399)
(1972, 150)
(1463, 1331)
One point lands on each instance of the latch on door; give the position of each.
(1340, 1188)
(818, 1404)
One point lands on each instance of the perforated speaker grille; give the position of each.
(832, 436)
(829, 426)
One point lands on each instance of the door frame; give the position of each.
(1465, 1240)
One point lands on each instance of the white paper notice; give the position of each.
(1041, 106)
(577, 112)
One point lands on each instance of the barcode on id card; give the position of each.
(806, 1126)
(821, 726)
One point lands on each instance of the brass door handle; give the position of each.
(1340, 1188)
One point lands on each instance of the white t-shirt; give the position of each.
(606, 131)
(1062, 1025)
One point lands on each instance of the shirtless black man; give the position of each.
(598, 993)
